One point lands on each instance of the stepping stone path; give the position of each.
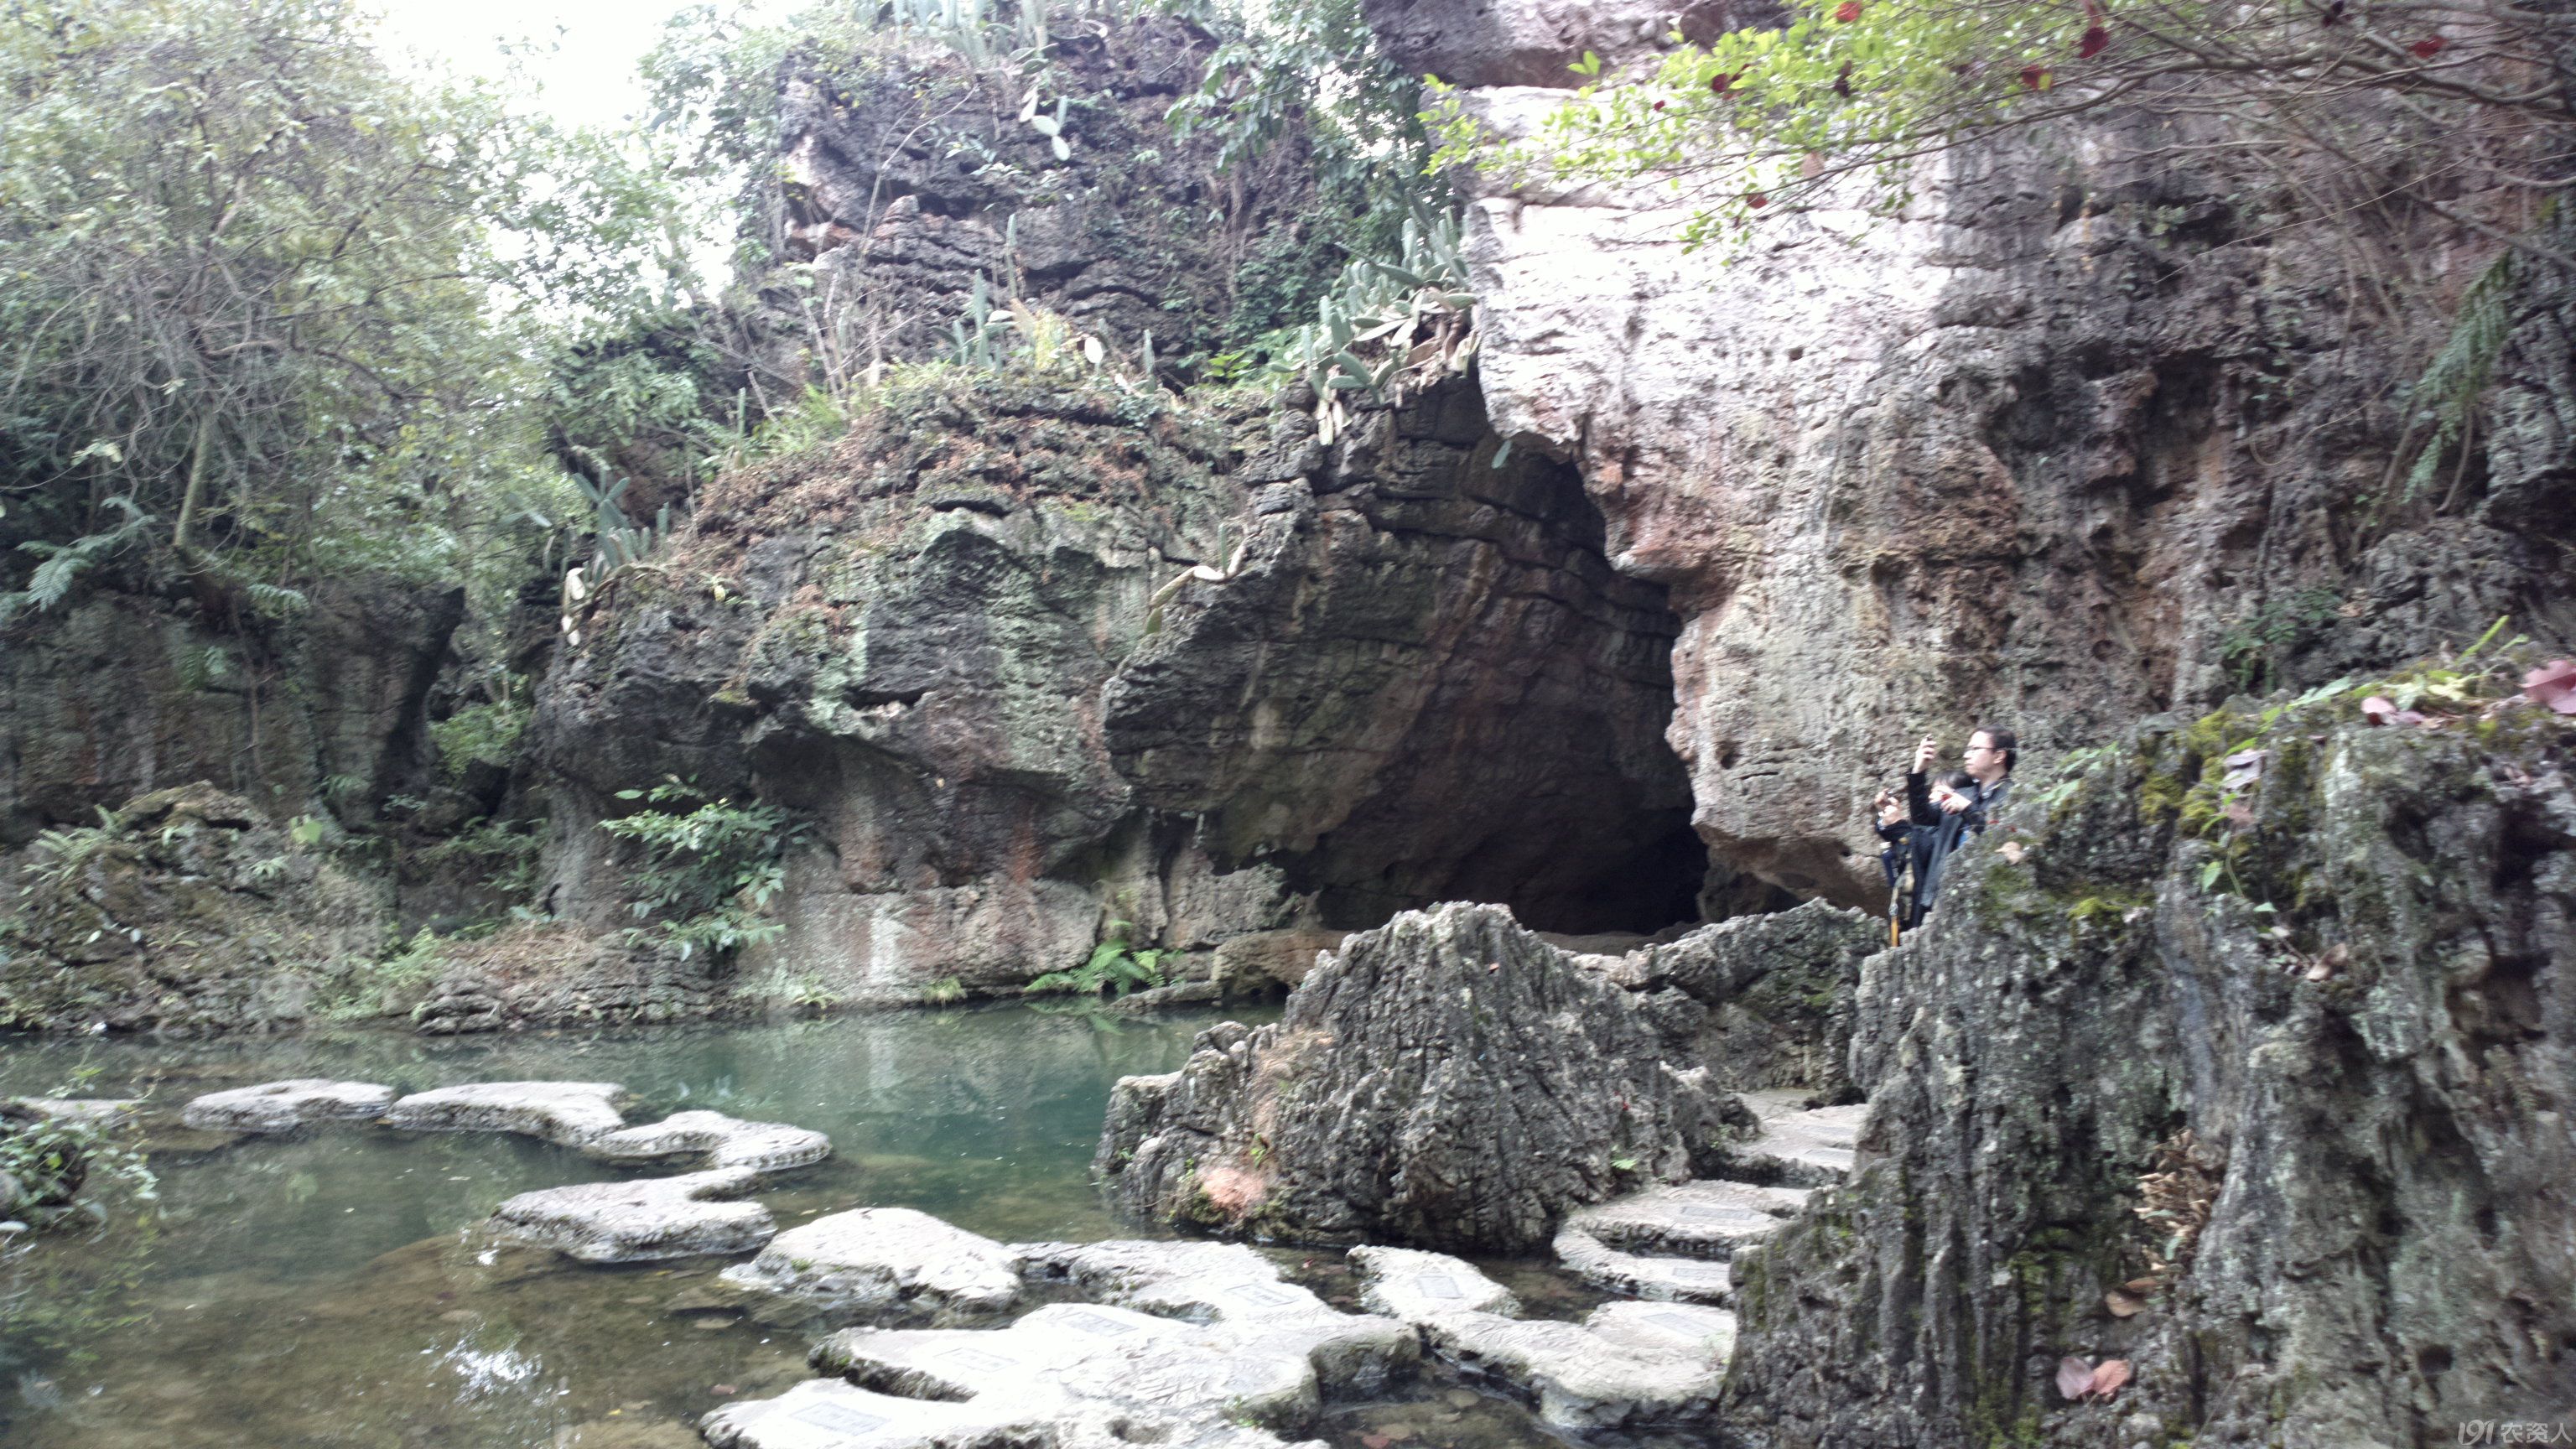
(1409, 1285)
(1672, 1243)
(885, 1258)
(1229, 1357)
(569, 1114)
(602, 1222)
(726, 1142)
(626, 1222)
(285, 1106)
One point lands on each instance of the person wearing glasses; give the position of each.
(1946, 811)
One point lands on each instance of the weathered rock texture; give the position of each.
(188, 913)
(2091, 434)
(119, 695)
(2377, 1073)
(1135, 232)
(1447, 1080)
(937, 643)
(1423, 683)
(1777, 988)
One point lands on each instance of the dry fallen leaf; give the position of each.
(2123, 1305)
(2148, 1284)
(2074, 1377)
(2108, 1378)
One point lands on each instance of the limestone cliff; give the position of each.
(2089, 435)
(1414, 678)
(2261, 1087)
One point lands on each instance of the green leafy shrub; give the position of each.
(709, 869)
(1114, 966)
(479, 734)
(76, 1234)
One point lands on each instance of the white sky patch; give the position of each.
(586, 50)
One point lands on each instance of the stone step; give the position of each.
(1629, 1365)
(1409, 1285)
(1231, 1286)
(1798, 1146)
(1705, 1218)
(627, 1222)
(1662, 1279)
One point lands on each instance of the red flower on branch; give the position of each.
(2096, 40)
(2429, 47)
(1722, 82)
(2034, 77)
(1847, 12)
(1756, 200)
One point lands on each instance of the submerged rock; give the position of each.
(726, 1142)
(284, 1106)
(569, 1114)
(877, 1259)
(1448, 1080)
(658, 1217)
(1411, 1285)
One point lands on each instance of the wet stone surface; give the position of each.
(569, 1114)
(723, 1141)
(285, 1106)
(885, 1258)
(625, 1222)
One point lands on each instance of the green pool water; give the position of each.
(330, 1288)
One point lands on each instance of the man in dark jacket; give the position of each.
(1953, 809)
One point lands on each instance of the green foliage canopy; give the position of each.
(261, 289)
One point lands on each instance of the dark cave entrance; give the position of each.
(1538, 776)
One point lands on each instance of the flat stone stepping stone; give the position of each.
(1707, 1218)
(961, 1363)
(726, 1142)
(285, 1106)
(885, 1258)
(1231, 1286)
(830, 1414)
(1406, 1284)
(1799, 1146)
(1630, 1365)
(1668, 1280)
(627, 1222)
(1200, 1281)
(570, 1114)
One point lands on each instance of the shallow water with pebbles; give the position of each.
(333, 1287)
